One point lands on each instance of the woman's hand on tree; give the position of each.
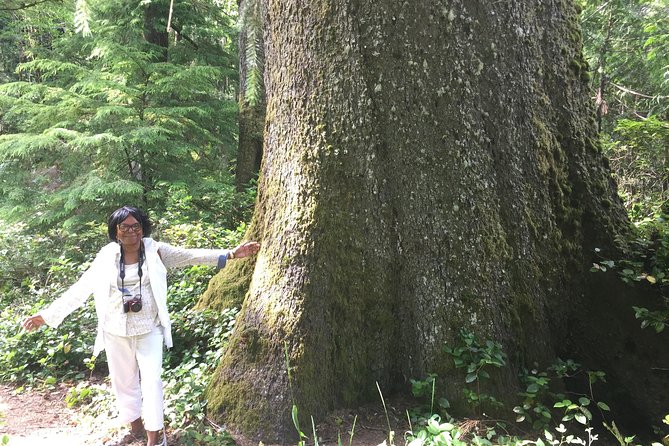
(245, 249)
(33, 323)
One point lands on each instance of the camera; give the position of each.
(133, 304)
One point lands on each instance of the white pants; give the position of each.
(135, 366)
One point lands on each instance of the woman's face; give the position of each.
(129, 232)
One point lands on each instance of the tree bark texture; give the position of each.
(250, 146)
(155, 27)
(428, 166)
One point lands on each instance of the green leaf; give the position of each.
(296, 421)
(581, 418)
(563, 403)
(603, 406)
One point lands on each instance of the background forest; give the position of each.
(101, 106)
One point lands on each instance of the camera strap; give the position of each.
(121, 269)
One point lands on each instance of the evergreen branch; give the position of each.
(29, 5)
(82, 17)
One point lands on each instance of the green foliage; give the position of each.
(632, 104)
(424, 391)
(540, 405)
(646, 264)
(436, 433)
(188, 371)
(539, 397)
(80, 395)
(111, 118)
(619, 34)
(532, 409)
(476, 358)
(39, 270)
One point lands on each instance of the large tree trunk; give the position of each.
(428, 166)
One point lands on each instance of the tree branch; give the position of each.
(636, 93)
(177, 29)
(28, 5)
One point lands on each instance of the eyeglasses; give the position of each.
(135, 227)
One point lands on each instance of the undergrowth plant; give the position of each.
(544, 403)
(424, 390)
(646, 264)
(540, 400)
(477, 358)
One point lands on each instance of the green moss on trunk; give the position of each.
(426, 169)
(228, 288)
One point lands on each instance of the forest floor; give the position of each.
(40, 417)
(32, 417)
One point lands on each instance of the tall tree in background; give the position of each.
(115, 112)
(627, 45)
(428, 167)
(251, 92)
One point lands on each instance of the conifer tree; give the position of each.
(105, 117)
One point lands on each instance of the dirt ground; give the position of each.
(41, 417)
(368, 424)
(38, 418)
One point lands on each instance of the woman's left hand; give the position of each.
(33, 322)
(245, 249)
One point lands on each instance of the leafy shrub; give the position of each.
(477, 358)
(540, 405)
(39, 272)
(645, 264)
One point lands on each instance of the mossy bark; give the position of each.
(250, 146)
(428, 166)
(229, 287)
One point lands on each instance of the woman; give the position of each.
(128, 281)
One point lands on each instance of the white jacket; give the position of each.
(101, 278)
